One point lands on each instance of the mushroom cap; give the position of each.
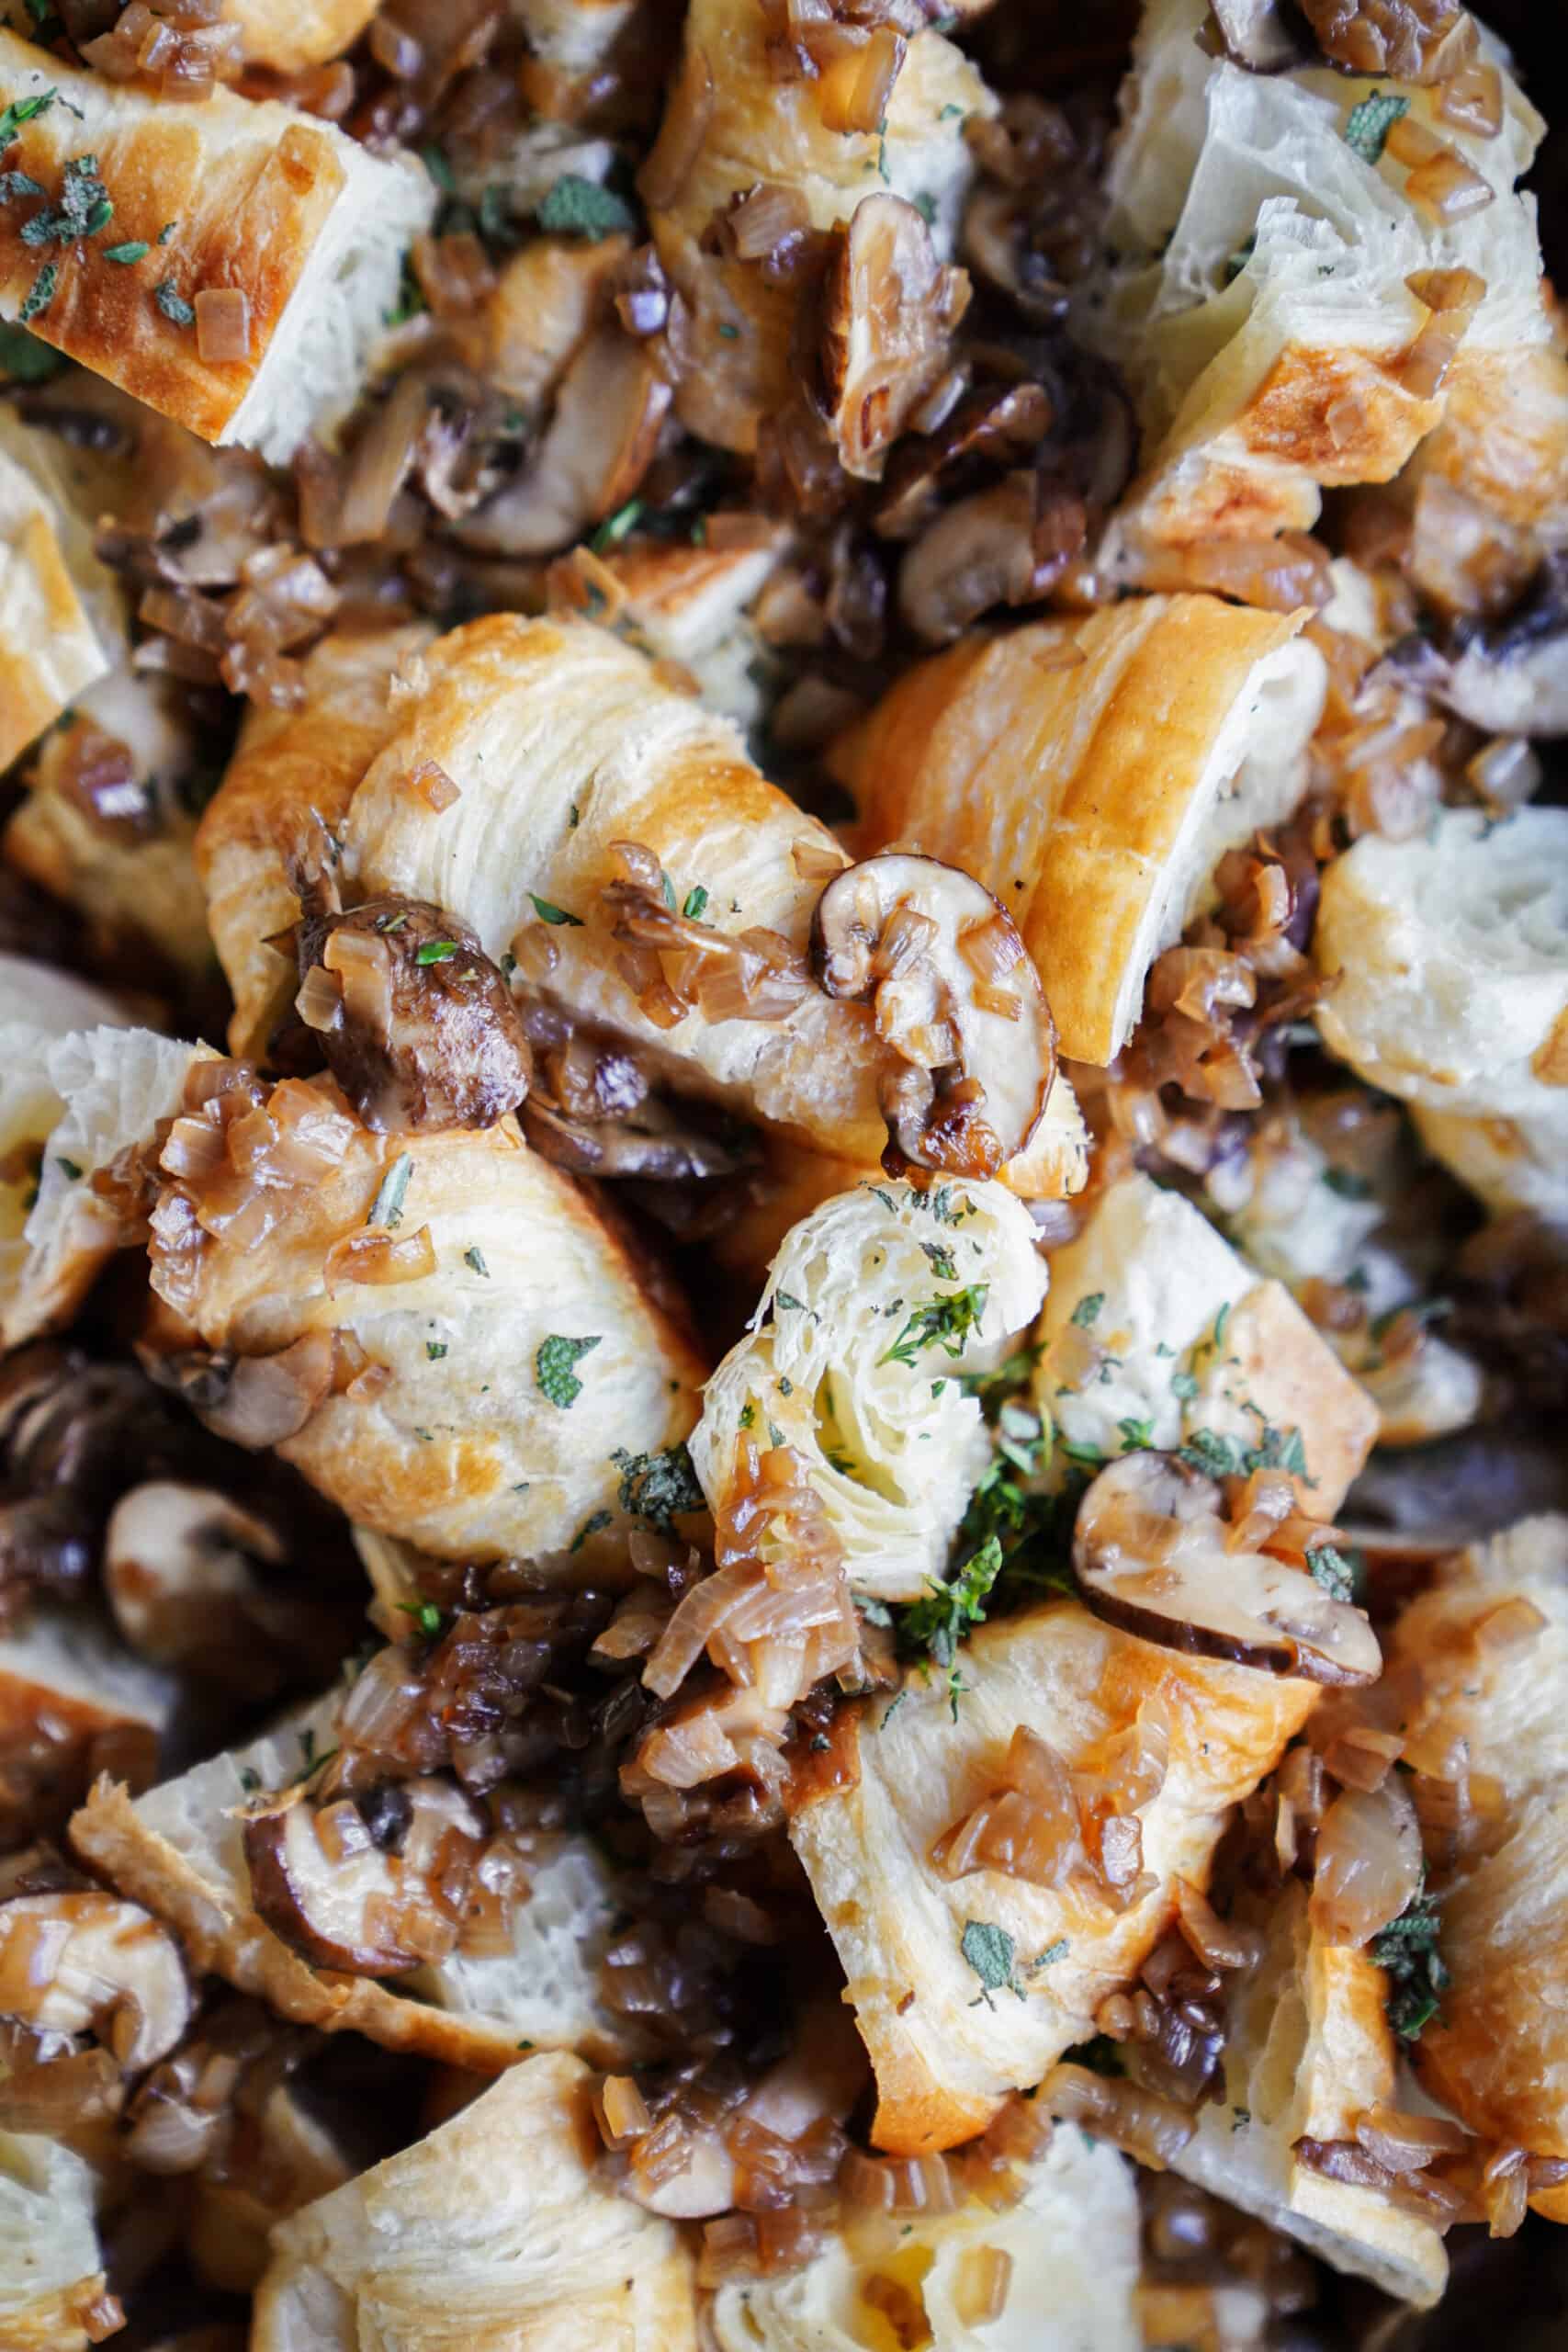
(366, 1909)
(79, 1961)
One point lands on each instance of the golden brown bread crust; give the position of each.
(248, 190)
(289, 35)
(1063, 788)
(290, 770)
(943, 2064)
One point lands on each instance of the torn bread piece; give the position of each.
(440, 1329)
(1157, 1334)
(809, 138)
(53, 2294)
(74, 1702)
(689, 605)
(107, 823)
(1489, 1642)
(876, 1307)
(950, 2030)
(69, 1107)
(1448, 963)
(1328, 1196)
(1299, 256)
(288, 783)
(611, 837)
(495, 2233)
(182, 1849)
(1307, 2050)
(251, 319)
(291, 2157)
(1092, 773)
(62, 621)
(1065, 2255)
(289, 35)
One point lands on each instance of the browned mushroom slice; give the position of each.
(175, 1553)
(1149, 1553)
(889, 310)
(610, 404)
(417, 1024)
(76, 1959)
(349, 1894)
(955, 995)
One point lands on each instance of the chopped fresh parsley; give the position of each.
(22, 110)
(615, 526)
(547, 913)
(696, 899)
(1407, 1950)
(946, 1322)
(173, 303)
(1367, 125)
(658, 1485)
(425, 1615)
(554, 1363)
(1086, 1311)
(436, 951)
(387, 1208)
(578, 208)
(935, 1626)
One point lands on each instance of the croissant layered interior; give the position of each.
(784, 1090)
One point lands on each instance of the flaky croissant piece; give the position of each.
(876, 1304)
(1154, 1325)
(1448, 958)
(304, 224)
(1070, 2244)
(69, 1104)
(1491, 1642)
(1267, 234)
(179, 1850)
(787, 134)
(508, 1341)
(61, 620)
(53, 2293)
(944, 2057)
(492, 2234)
(1308, 2049)
(1092, 773)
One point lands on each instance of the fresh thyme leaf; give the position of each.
(436, 951)
(1086, 1311)
(553, 1365)
(136, 249)
(547, 913)
(1407, 1950)
(173, 303)
(946, 1322)
(70, 1166)
(436, 1350)
(615, 526)
(387, 1208)
(942, 1261)
(578, 208)
(695, 902)
(22, 110)
(425, 1614)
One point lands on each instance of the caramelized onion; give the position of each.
(1368, 1864)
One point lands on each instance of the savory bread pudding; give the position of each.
(783, 1176)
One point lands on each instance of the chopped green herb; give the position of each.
(787, 1300)
(1333, 1571)
(942, 1261)
(991, 1953)
(1086, 1311)
(1182, 1385)
(659, 1486)
(1367, 125)
(578, 208)
(730, 334)
(436, 1350)
(946, 113)
(946, 1322)
(39, 294)
(695, 902)
(474, 1259)
(775, 1435)
(387, 1208)
(547, 913)
(136, 250)
(436, 951)
(1407, 1950)
(166, 232)
(22, 110)
(70, 1166)
(937, 1625)
(925, 207)
(433, 155)
(1240, 2118)
(249, 1781)
(13, 185)
(425, 1614)
(386, 925)
(1058, 1950)
(554, 1363)
(590, 1526)
(410, 299)
(1136, 1434)
(615, 526)
(748, 1414)
(173, 303)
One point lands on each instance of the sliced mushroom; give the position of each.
(1149, 1554)
(253, 1401)
(654, 1143)
(173, 1553)
(321, 1880)
(1265, 36)
(889, 310)
(956, 997)
(78, 1960)
(417, 1024)
(979, 553)
(612, 401)
(1513, 679)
